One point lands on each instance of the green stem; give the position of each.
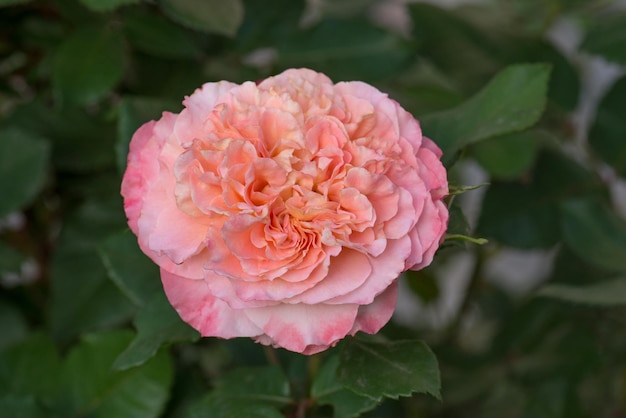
(460, 237)
(313, 366)
(271, 356)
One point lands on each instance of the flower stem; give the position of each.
(271, 356)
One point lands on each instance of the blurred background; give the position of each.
(529, 325)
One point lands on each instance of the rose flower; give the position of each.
(285, 211)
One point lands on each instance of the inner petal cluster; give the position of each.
(279, 176)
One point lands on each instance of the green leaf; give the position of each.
(564, 86)
(134, 112)
(212, 407)
(129, 268)
(88, 65)
(6, 3)
(264, 384)
(508, 156)
(21, 407)
(595, 233)
(525, 214)
(211, 16)
(153, 34)
(89, 387)
(81, 140)
(268, 26)
(606, 293)
(246, 392)
(607, 37)
(83, 299)
(421, 88)
(106, 5)
(608, 131)
(345, 50)
(326, 390)
(82, 296)
(23, 168)
(514, 100)
(30, 367)
(391, 369)
(157, 323)
(445, 38)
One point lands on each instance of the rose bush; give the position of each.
(285, 211)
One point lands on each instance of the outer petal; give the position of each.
(310, 89)
(410, 129)
(433, 173)
(198, 106)
(428, 234)
(304, 328)
(386, 124)
(141, 170)
(147, 188)
(199, 308)
(371, 318)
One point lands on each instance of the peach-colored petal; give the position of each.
(192, 119)
(178, 236)
(356, 93)
(411, 131)
(197, 306)
(301, 326)
(429, 234)
(385, 270)
(379, 189)
(141, 168)
(348, 270)
(372, 317)
(433, 173)
(401, 223)
(429, 144)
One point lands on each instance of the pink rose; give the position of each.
(285, 211)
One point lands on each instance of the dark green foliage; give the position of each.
(86, 328)
(608, 131)
(607, 37)
(23, 168)
(379, 368)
